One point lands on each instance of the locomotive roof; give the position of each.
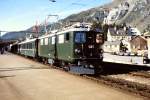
(65, 31)
(27, 41)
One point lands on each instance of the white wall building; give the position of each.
(134, 31)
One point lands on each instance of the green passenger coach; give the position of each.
(28, 48)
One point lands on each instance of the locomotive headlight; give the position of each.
(77, 51)
(101, 51)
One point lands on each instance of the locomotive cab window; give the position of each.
(80, 37)
(99, 38)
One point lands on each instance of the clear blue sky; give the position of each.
(18, 15)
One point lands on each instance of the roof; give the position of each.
(28, 41)
(64, 31)
(112, 42)
(120, 32)
(146, 34)
(138, 37)
(112, 31)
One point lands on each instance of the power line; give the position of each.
(79, 4)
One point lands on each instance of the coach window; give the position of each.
(67, 36)
(61, 38)
(26, 46)
(53, 40)
(41, 41)
(46, 41)
(30, 45)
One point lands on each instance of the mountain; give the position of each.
(139, 16)
(135, 13)
(14, 36)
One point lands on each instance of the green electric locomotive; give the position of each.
(76, 48)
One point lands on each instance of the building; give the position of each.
(146, 35)
(118, 35)
(138, 44)
(134, 31)
(112, 46)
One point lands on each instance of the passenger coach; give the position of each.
(28, 48)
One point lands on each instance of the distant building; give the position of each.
(117, 35)
(138, 43)
(146, 35)
(112, 46)
(134, 31)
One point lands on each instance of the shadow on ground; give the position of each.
(118, 68)
(21, 68)
(5, 76)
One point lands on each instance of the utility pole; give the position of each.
(0, 35)
(46, 20)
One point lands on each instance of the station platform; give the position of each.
(130, 60)
(24, 79)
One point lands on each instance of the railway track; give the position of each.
(120, 83)
(134, 87)
(141, 74)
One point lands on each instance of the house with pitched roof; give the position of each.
(117, 35)
(139, 44)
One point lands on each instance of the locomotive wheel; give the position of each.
(56, 63)
(98, 69)
(65, 65)
(46, 61)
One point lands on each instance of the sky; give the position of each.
(16, 15)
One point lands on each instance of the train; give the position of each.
(77, 48)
